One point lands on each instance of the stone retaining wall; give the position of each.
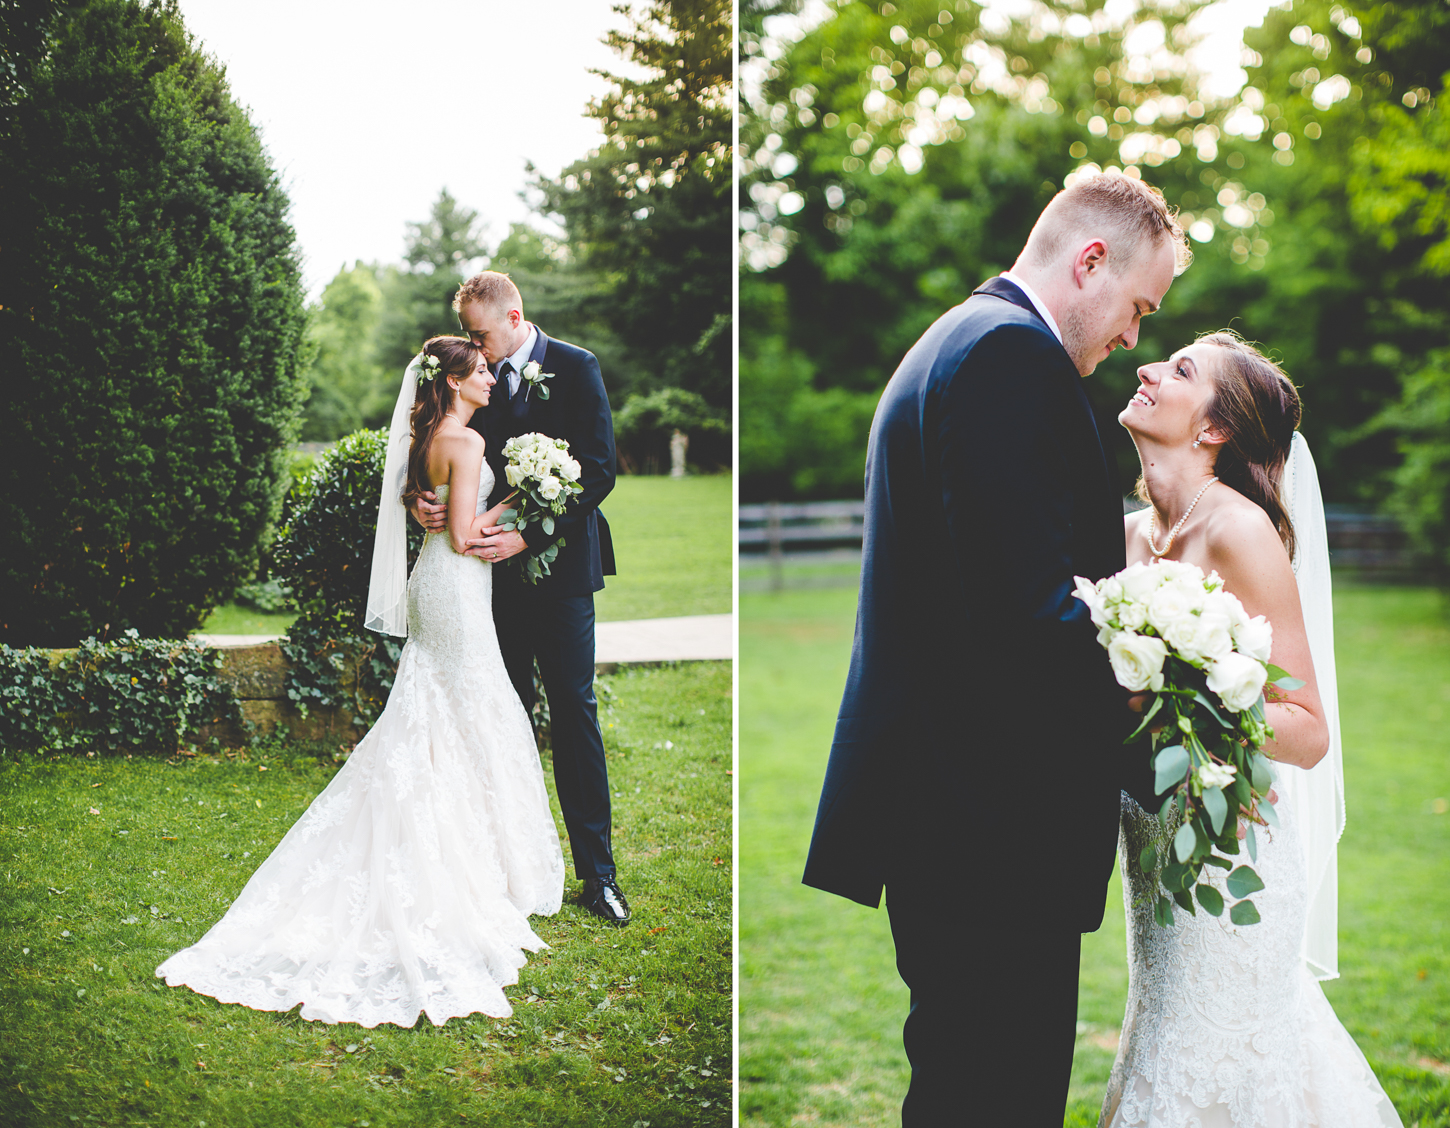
(257, 676)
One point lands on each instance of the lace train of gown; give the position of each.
(1225, 1026)
(407, 885)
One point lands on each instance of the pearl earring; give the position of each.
(1197, 443)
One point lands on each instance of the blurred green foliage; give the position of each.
(897, 154)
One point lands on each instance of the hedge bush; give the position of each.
(324, 557)
(134, 692)
(151, 332)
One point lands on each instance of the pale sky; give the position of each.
(368, 108)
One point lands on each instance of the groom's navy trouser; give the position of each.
(559, 631)
(993, 1016)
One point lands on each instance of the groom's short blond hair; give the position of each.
(1126, 213)
(492, 290)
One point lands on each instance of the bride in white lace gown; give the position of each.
(1227, 1026)
(407, 885)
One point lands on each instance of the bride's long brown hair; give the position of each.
(457, 356)
(1257, 406)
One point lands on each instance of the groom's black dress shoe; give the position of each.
(602, 897)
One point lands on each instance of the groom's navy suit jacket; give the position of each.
(577, 410)
(980, 732)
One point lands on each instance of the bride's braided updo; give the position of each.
(456, 356)
(1257, 406)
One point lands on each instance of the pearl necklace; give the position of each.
(1152, 530)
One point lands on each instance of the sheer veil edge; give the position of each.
(1316, 794)
(387, 609)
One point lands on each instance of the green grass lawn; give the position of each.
(672, 543)
(610, 1027)
(673, 539)
(820, 1003)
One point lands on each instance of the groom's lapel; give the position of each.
(541, 345)
(522, 401)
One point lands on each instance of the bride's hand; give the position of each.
(1272, 797)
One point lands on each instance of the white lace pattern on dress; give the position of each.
(1225, 1026)
(406, 886)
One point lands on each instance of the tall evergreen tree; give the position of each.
(151, 333)
(649, 211)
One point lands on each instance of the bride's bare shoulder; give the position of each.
(1238, 534)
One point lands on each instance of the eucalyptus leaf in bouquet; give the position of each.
(544, 477)
(1176, 634)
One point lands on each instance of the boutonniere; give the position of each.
(535, 375)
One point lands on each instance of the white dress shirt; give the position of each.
(521, 358)
(1032, 297)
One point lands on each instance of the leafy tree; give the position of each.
(349, 388)
(648, 213)
(151, 333)
(898, 154)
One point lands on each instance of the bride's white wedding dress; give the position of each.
(407, 885)
(1225, 1025)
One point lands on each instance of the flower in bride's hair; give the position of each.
(428, 366)
(1137, 661)
(1238, 680)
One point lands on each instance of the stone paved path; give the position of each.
(687, 638)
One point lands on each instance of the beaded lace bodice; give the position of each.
(406, 886)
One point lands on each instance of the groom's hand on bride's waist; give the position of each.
(428, 513)
(496, 544)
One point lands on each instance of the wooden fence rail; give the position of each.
(1372, 544)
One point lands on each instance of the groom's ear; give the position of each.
(1091, 258)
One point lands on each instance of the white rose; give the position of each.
(532, 370)
(1140, 581)
(1137, 661)
(1211, 637)
(1106, 636)
(1238, 680)
(570, 469)
(1182, 635)
(1216, 775)
(1254, 637)
(549, 487)
(1088, 593)
(1111, 590)
(513, 474)
(1134, 616)
(1220, 602)
(1167, 605)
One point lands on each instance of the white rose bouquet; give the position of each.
(1175, 633)
(545, 477)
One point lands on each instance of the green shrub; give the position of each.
(151, 333)
(644, 425)
(133, 692)
(324, 556)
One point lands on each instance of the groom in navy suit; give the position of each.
(553, 620)
(977, 759)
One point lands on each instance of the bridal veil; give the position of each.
(1317, 793)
